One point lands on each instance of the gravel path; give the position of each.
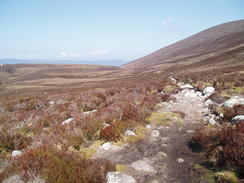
(163, 156)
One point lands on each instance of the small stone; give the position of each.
(179, 160)
(186, 86)
(51, 103)
(106, 146)
(164, 138)
(165, 145)
(143, 166)
(129, 133)
(199, 94)
(89, 112)
(160, 154)
(208, 89)
(67, 121)
(118, 177)
(155, 133)
(212, 121)
(155, 181)
(148, 126)
(239, 118)
(190, 131)
(16, 153)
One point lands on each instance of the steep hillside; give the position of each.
(210, 43)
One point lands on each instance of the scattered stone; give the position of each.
(234, 101)
(155, 133)
(160, 154)
(16, 153)
(129, 133)
(89, 112)
(179, 160)
(164, 138)
(148, 126)
(143, 166)
(105, 125)
(155, 181)
(208, 90)
(186, 86)
(106, 146)
(67, 121)
(190, 131)
(199, 94)
(239, 118)
(165, 145)
(190, 94)
(221, 115)
(212, 121)
(118, 177)
(207, 103)
(51, 103)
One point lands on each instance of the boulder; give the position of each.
(129, 133)
(234, 101)
(239, 118)
(211, 121)
(199, 94)
(208, 90)
(143, 166)
(67, 121)
(16, 153)
(118, 177)
(189, 93)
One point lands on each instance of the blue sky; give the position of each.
(104, 29)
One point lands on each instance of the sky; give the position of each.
(104, 29)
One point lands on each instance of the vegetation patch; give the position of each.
(165, 118)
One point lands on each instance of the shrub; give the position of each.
(223, 145)
(58, 166)
(15, 140)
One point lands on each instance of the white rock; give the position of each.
(208, 89)
(212, 121)
(155, 133)
(238, 118)
(207, 103)
(190, 131)
(160, 154)
(16, 153)
(186, 86)
(179, 160)
(67, 121)
(130, 133)
(51, 103)
(118, 177)
(234, 101)
(105, 125)
(148, 126)
(106, 146)
(143, 166)
(190, 94)
(89, 112)
(199, 94)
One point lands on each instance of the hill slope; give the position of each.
(209, 43)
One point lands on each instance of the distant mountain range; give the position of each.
(87, 62)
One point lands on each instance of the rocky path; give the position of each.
(163, 156)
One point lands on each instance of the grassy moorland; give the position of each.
(102, 102)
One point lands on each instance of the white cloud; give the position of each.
(168, 22)
(64, 54)
(98, 52)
